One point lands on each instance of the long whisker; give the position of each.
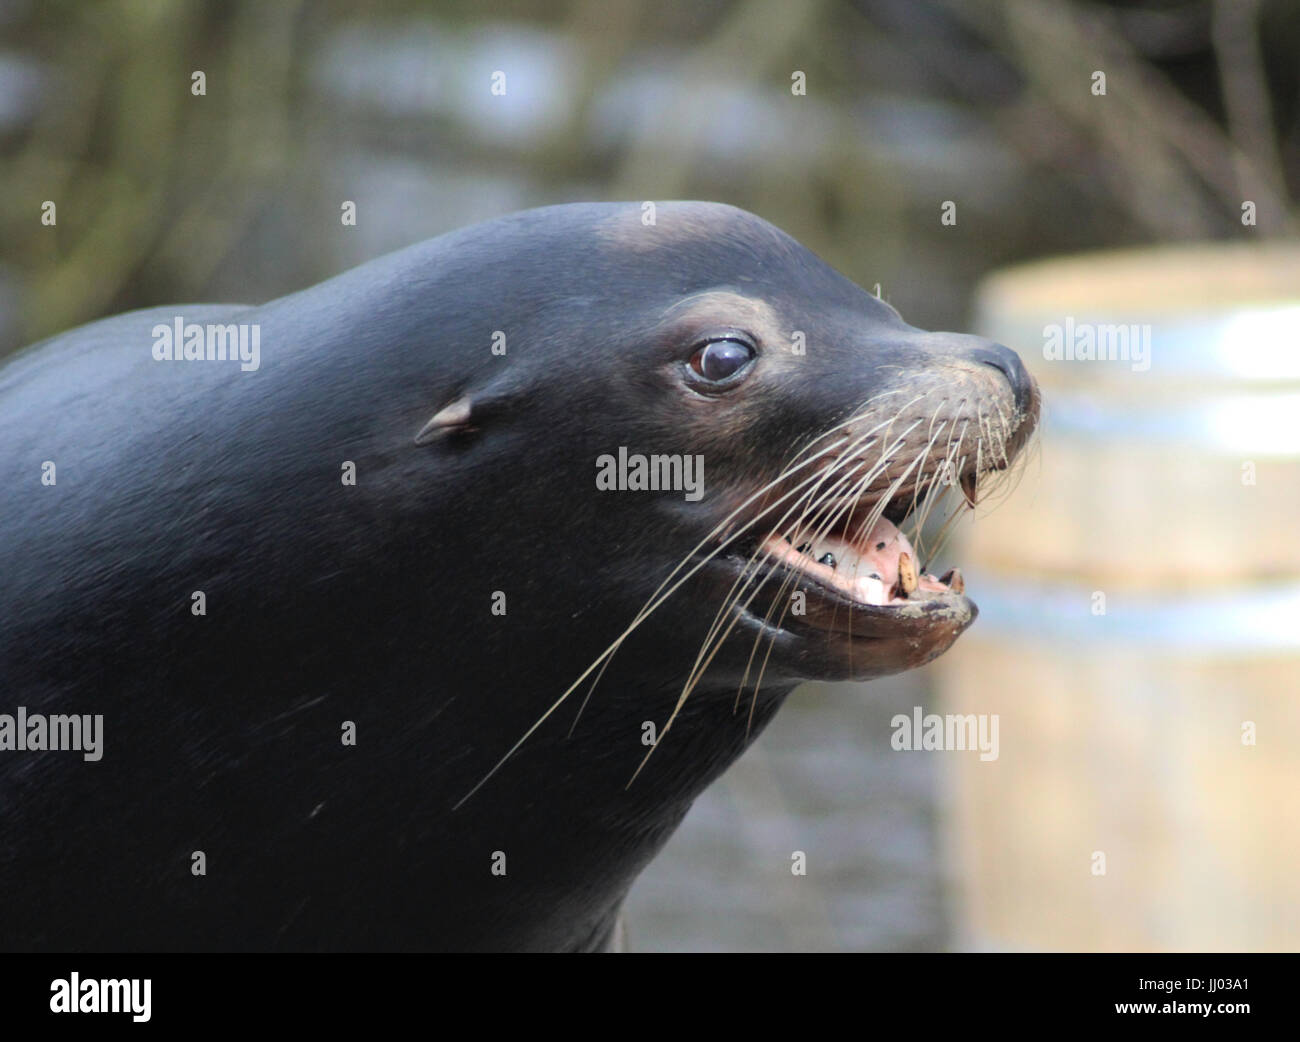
(816, 529)
(800, 528)
(717, 643)
(876, 513)
(753, 565)
(665, 591)
(836, 510)
(790, 468)
(810, 507)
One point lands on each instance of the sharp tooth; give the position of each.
(953, 580)
(970, 488)
(871, 591)
(906, 573)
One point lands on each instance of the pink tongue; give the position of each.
(883, 559)
(884, 544)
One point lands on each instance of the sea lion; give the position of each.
(416, 607)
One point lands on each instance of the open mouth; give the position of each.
(874, 565)
(865, 556)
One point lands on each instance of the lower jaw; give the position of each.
(825, 636)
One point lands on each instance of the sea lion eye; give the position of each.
(720, 360)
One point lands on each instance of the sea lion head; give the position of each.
(736, 439)
(815, 420)
(827, 424)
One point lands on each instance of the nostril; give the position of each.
(1000, 358)
(1008, 363)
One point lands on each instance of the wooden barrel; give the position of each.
(1139, 635)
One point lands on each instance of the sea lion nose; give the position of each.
(1008, 363)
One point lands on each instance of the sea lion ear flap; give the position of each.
(474, 409)
(450, 419)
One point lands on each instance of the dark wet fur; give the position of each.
(371, 604)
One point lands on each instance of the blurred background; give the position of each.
(1123, 732)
